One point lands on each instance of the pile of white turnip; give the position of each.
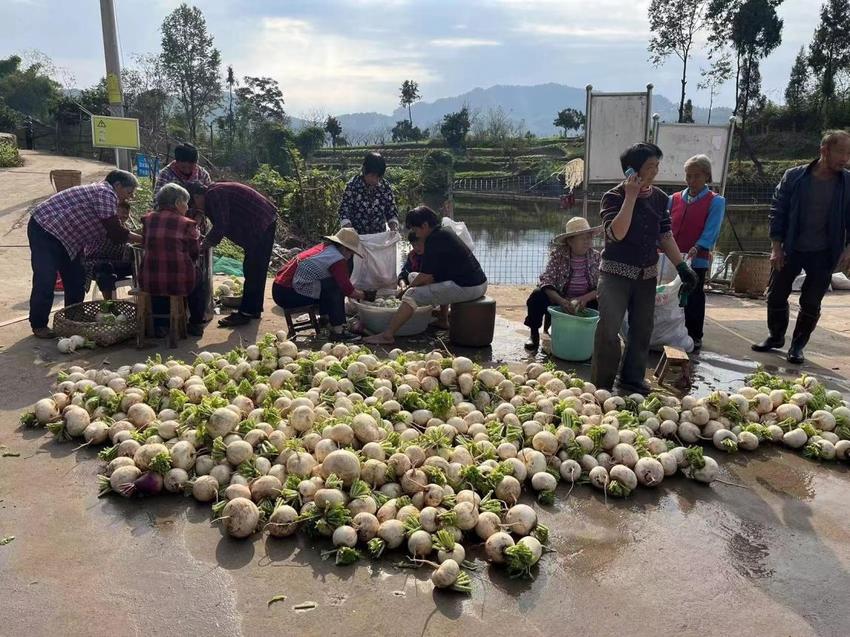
(426, 453)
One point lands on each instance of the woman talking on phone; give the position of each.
(637, 223)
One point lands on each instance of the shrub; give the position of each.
(9, 156)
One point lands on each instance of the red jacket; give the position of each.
(171, 244)
(338, 270)
(689, 219)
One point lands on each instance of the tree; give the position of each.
(688, 113)
(10, 119)
(675, 25)
(455, 128)
(829, 52)
(569, 119)
(230, 80)
(262, 99)
(409, 94)
(753, 30)
(334, 129)
(29, 90)
(404, 131)
(192, 64)
(714, 77)
(798, 84)
(309, 140)
(147, 97)
(751, 99)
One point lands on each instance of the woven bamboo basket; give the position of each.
(751, 274)
(64, 179)
(80, 319)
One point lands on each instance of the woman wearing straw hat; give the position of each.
(320, 275)
(569, 279)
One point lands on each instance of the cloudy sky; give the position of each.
(342, 56)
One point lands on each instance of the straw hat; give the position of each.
(575, 226)
(347, 238)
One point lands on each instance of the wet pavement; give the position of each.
(765, 553)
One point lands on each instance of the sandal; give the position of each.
(234, 320)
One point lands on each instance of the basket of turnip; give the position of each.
(229, 293)
(104, 322)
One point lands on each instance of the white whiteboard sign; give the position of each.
(680, 142)
(616, 122)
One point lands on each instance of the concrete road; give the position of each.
(20, 189)
(765, 553)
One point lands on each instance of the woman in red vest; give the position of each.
(319, 276)
(697, 214)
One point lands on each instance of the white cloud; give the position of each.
(463, 43)
(586, 33)
(318, 68)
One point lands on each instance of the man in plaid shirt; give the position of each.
(243, 215)
(60, 231)
(184, 170)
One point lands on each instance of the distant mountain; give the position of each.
(536, 106)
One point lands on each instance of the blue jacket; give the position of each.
(787, 211)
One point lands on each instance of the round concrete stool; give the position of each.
(471, 324)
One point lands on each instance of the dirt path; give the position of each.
(21, 188)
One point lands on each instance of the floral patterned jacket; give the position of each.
(558, 270)
(368, 210)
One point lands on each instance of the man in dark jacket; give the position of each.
(248, 219)
(809, 223)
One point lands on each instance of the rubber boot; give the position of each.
(803, 329)
(777, 324)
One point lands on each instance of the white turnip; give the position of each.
(240, 517)
(205, 489)
(495, 546)
(649, 471)
(521, 519)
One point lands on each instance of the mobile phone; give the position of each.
(628, 172)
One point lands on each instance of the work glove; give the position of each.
(689, 279)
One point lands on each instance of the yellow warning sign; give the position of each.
(113, 89)
(114, 132)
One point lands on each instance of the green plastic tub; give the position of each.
(572, 335)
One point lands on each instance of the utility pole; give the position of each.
(113, 73)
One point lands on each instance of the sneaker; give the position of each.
(343, 337)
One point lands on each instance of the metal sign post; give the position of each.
(113, 73)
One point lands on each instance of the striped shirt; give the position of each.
(579, 283)
(75, 216)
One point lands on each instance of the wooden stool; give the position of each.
(311, 322)
(471, 324)
(145, 319)
(673, 357)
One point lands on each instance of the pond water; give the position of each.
(512, 237)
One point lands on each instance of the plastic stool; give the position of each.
(145, 316)
(311, 322)
(471, 324)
